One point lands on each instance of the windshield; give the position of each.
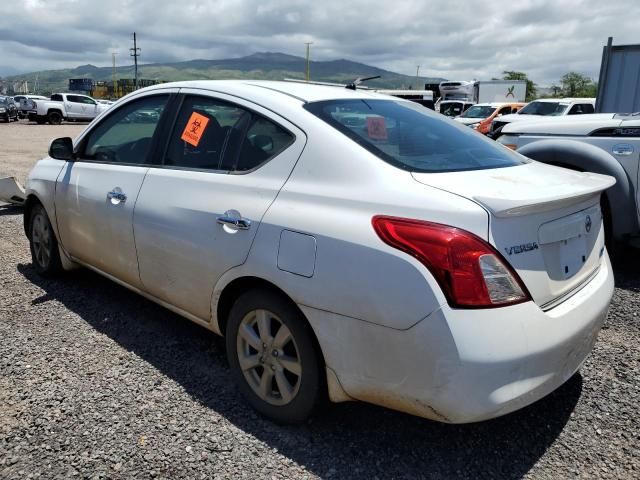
(479, 111)
(412, 137)
(544, 108)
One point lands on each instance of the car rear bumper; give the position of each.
(461, 366)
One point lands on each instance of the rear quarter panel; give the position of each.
(333, 193)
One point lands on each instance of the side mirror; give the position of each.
(62, 149)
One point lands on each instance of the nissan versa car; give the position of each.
(346, 244)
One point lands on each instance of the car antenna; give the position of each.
(353, 85)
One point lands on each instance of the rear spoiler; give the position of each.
(512, 207)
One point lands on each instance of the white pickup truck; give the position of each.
(604, 143)
(65, 106)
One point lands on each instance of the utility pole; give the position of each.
(308, 76)
(135, 53)
(113, 73)
(418, 76)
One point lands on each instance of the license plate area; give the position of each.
(573, 255)
(570, 245)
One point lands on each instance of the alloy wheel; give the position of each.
(41, 238)
(269, 357)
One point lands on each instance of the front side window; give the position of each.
(411, 137)
(452, 109)
(87, 101)
(56, 97)
(212, 134)
(125, 135)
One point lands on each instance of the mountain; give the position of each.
(262, 65)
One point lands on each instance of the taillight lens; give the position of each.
(470, 272)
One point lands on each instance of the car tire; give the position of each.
(273, 357)
(43, 244)
(54, 118)
(609, 240)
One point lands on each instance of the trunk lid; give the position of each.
(544, 220)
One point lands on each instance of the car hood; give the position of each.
(565, 125)
(468, 121)
(512, 117)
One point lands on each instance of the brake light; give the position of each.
(470, 272)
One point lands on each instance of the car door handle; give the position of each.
(235, 222)
(116, 197)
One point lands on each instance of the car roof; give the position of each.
(302, 91)
(564, 100)
(497, 104)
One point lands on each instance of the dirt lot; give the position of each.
(98, 382)
(23, 144)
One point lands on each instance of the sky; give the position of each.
(454, 39)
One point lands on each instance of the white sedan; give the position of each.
(347, 244)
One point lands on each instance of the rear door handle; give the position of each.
(116, 196)
(235, 222)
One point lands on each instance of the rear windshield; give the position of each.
(412, 137)
(544, 108)
(479, 111)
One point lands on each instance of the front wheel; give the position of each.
(273, 357)
(43, 244)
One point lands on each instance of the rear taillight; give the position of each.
(470, 272)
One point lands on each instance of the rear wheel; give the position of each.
(55, 118)
(273, 357)
(43, 244)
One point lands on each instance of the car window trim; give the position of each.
(80, 148)
(183, 96)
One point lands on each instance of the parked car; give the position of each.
(66, 106)
(25, 103)
(453, 108)
(472, 283)
(603, 143)
(8, 109)
(545, 107)
(480, 116)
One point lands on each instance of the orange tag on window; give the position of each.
(376, 129)
(195, 128)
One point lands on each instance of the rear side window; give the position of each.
(212, 134)
(581, 109)
(412, 137)
(56, 97)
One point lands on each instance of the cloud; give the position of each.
(455, 39)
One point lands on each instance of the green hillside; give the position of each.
(263, 66)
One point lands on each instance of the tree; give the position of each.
(532, 88)
(578, 85)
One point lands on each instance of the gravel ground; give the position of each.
(98, 382)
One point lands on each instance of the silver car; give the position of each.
(347, 244)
